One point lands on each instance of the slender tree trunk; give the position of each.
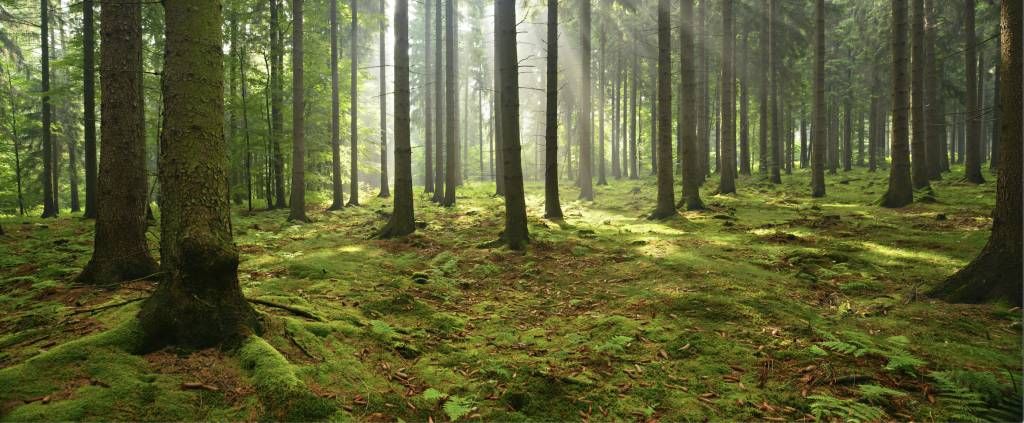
(16, 141)
(552, 205)
(298, 199)
(384, 192)
(198, 302)
(601, 180)
(337, 192)
(243, 58)
(688, 113)
(277, 101)
(439, 102)
(616, 112)
(764, 126)
(402, 221)
(516, 234)
(919, 143)
(634, 108)
(744, 109)
(428, 99)
(847, 136)
(727, 167)
(996, 113)
(353, 196)
(818, 126)
(666, 205)
(900, 191)
(120, 251)
(451, 93)
(804, 146)
(996, 273)
(586, 107)
(775, 157)
(49, 173)
(89, 105)
(972, 156)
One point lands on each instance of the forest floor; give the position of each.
(769, 305)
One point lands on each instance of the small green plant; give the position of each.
(976, 396)
(856, 344)
(848, 410)
(876, 394)
(616, 345)
(455, 407)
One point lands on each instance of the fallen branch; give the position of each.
(107, 306)
(294, 310)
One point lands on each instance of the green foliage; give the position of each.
(976, 396)
(857, 344)
(457, 407)
(828, 407)
(878, 394)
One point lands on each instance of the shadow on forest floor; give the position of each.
(768, 305)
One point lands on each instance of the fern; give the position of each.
(963, 403)
(824, 406)
(977, 396)
(432, 394)
(457, 407)
(876, 394)
(848, 348)
(904, 362)
(617, 344)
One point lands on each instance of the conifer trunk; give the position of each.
(818, 126)
(402, 221)
(298, 198)
(516, 234)
(900, 191)
(552, 204)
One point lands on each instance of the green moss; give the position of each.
(284, 395)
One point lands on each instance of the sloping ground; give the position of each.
(767, 306)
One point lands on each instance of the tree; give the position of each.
(586, 107)
(451, 99)
(120, 251)
(601, 180)
(428, 101)
(337, 193)
(934, 117)
(552, 205)
(403, 220)
(16, 141)
(384, 193)
(688, 110)
(439, 102)
(49, 172)
(775, 155)
(995, 274)
(277, 101)
(199, 302)
(764, 126)
(972, 156)
(818, 139)
(298, 200)
(918, 144)
(353, 196)
(89, 105)
(516, 234)
(744, 109)
(666, 205)
(900, 191)
(727, 170)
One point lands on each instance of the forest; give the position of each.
(511, 210)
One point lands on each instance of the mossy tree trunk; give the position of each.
(688, 110)
(516, 234)
(727, 165)
(666, 204)
(298, 197)
(996, 273)
(199, 302)
(900, 191)
(402, 220)
(552, 204)
(120, 251)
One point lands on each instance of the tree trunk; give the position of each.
(49, 173)
(601, 180)
(353, 196)
(89, 105)
(775, 156)
(633, 170)
(277, 101)
(337, 193)
(439, 102)
(818, 125)
(428, 99)
(666, 205)
(727, 165)
(764, 126)
(847, 136)
(451, 97)
(616, 112)
(919, 143)
(402, 221)
(586, 107)
(935, 125)
(516, 234)
(552, 205)
(900, 191)
(744, 109)
(120, 251)
(384, 192)
(688, 113)
(996, 273)
(972, 156)
(996, 112)
(243, 57)
(298, 198)
(16, 141)
(198, 302)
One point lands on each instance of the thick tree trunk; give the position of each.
(818, 125)
(727, 165)
(688, 113)
(972, 156)
(402, 221)
(120, 251)
(516, 234)
(428, 98)
(298, 198)
(337, 193)
(353, 196)
(666, 205)
(384, 192)
(451, 99)
(900, 191)
(89, 105)
(198, 302)
(277, 101)
(996, 273)
(919, 143)
(552, 205)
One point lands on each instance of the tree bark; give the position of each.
(688, 113)
(337, 192)
(727, 166)
(402, 221)
(744, 109)
(353, 196)
(764, 126)
(972, 156)
(775, 155)
(601, 180)
(277, 101)
(89, 105)
(818, 126)
(586, 107)
(384, 191)
(996, 273)
(666, 205)
(198, 303)
(428, 99)
(552, 204)
(298, 198)
(919, 143)
(439, 102)
(120, 251)
(900, 191)
(49, 173)
(516, 234)
(451, 99)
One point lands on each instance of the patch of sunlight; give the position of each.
(841, 205)
(659, 249)
(900, 253)
(654, 228)
(350, 249)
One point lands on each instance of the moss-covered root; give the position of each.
(284, 396)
